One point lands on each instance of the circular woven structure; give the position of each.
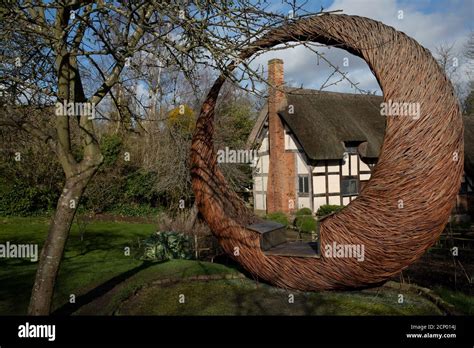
(420, 165)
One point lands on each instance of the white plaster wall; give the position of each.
(290, 143)
(260, 203)
(334, 184)
(320, 167)
(345, 167)
(363, 167)
(301, 166)
(319, 184)
(318, 201)
(354, 160)
(303, 202)
(264, 145)
(258, 183)
(264, 163)
(334, 200)
(333, 166)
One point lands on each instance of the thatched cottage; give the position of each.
(317, 148)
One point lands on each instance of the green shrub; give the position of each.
(279, 217)
(139, 186)
(327, 209)
(129, 209)
(104, 192)
(162, 246)
(110, 147)
(304, 211)
(305, 223)
(19, 199)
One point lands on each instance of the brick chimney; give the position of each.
(281, 173)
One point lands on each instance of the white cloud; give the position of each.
(429, 29)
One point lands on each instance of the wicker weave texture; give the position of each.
(406, 204)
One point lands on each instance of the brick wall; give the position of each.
(282, 172)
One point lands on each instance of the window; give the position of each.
(303, 184)
(349, 187)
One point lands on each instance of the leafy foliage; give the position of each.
(155, 175)
(166, 245)
(31, 185)
(327, 209)
(110, 148)
(127, 209)
(305, 223)
(279, 217)
(139, 186)
(23, 200)
(235, 117)
(304, 211)
(182, 119)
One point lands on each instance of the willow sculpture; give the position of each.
(406, 204)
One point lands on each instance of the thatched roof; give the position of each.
(256, 132)
(323, 121)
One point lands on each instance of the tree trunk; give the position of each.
(53, 249)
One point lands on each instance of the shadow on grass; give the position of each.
(70, 308)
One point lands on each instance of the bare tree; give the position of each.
(74, 53)
(65, 37)
(450, 61)
(469, 56)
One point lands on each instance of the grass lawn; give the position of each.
(460, 300)
(107, 282)
(245, 297)
(86, 264)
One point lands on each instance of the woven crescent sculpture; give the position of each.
(420, 163)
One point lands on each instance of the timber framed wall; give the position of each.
(325, 177)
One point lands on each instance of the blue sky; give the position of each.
(430, 22)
